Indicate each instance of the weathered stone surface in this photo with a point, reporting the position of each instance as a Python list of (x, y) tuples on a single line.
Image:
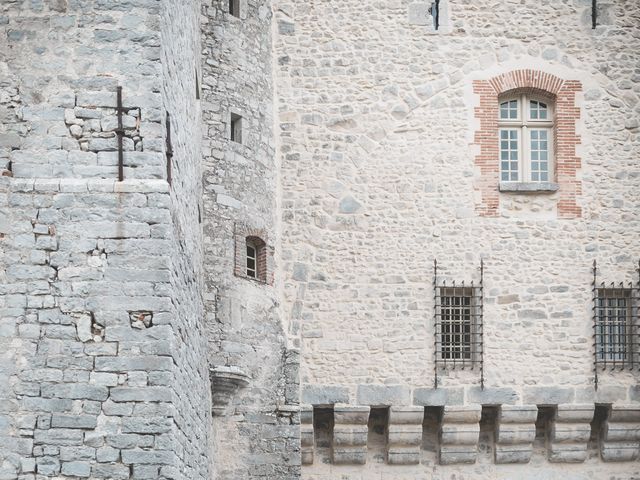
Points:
[(383, 395), (349, 446), (324, 395), (515, 433), (404, 436), (438, 396)]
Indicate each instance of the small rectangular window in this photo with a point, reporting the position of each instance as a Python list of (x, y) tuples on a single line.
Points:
[(234, 7), (614, 326), (457, 323), (236, 128)]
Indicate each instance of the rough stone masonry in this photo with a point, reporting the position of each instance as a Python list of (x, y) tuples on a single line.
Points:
[(350, 145)]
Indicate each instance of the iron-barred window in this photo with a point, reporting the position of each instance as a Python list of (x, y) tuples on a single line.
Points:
[(458, 324), (616, 324), (616, 321)]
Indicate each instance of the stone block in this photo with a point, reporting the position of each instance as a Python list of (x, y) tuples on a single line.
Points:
[(515, 433), (324, 395), (492, 396), (438, 397), (404, 435), (349, 446), (548, 395), (419, 13), (383, 395)]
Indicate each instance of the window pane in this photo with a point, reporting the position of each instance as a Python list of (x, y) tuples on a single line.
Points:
[(539, 169), (509, 151), (509, 110)]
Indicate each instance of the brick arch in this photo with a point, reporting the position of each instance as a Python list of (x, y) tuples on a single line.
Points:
[(567, 113), (526, 80)]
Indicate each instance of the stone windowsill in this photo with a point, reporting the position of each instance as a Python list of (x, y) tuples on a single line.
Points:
[(528, 187)]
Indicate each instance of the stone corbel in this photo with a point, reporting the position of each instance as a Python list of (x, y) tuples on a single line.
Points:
[(350, 430), (459, 434), (225, 382), (570, 432), (307, 440), (404, 435), (515, 433), (620, 435)]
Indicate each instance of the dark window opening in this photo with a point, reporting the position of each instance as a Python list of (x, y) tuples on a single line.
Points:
[(594, 13), (234, 7), (197, 86), (236, 128), (252, 261), (435, 13)]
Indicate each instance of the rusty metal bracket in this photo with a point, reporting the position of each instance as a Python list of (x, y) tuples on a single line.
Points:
[(169, 149)]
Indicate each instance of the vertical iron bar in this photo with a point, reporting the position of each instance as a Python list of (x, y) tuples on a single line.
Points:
[(437, 16), (594, 13), (169, 148), (120, 133), (435, 317), (595, 323), (481, 323)]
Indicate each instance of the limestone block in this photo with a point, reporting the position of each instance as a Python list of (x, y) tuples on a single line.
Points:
[(306, 434), (404, 435), (515, 432), (459, 434), (620, 436), (570, 432), (350, 431)]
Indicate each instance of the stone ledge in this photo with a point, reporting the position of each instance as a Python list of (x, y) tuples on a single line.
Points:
[(528, 187), (82, 185), (383, 395), (432, 397), (319, 395)]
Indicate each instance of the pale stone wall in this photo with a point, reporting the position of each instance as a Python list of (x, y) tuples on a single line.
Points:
[(376, 129)]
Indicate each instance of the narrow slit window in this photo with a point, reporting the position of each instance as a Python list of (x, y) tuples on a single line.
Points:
[(234, 8), (236, 128)]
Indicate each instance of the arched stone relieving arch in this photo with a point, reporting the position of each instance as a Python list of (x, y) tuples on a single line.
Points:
[(567, 163)]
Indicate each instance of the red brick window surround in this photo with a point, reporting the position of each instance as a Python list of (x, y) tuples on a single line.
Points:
[(566, 163), (253, 255)]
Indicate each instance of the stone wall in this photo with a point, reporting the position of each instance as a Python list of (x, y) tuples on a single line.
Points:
[(180, 35), (377, 138), (104, 368), (258, 436)]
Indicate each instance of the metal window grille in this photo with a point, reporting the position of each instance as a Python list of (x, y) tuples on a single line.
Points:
[(616, 324), (458, 310)]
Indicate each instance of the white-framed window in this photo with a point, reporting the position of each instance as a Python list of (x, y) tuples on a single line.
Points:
[(525, 139), (252, 259)]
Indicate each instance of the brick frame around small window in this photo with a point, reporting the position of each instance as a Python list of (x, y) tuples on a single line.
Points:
[(264, 252), (567, 162)]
